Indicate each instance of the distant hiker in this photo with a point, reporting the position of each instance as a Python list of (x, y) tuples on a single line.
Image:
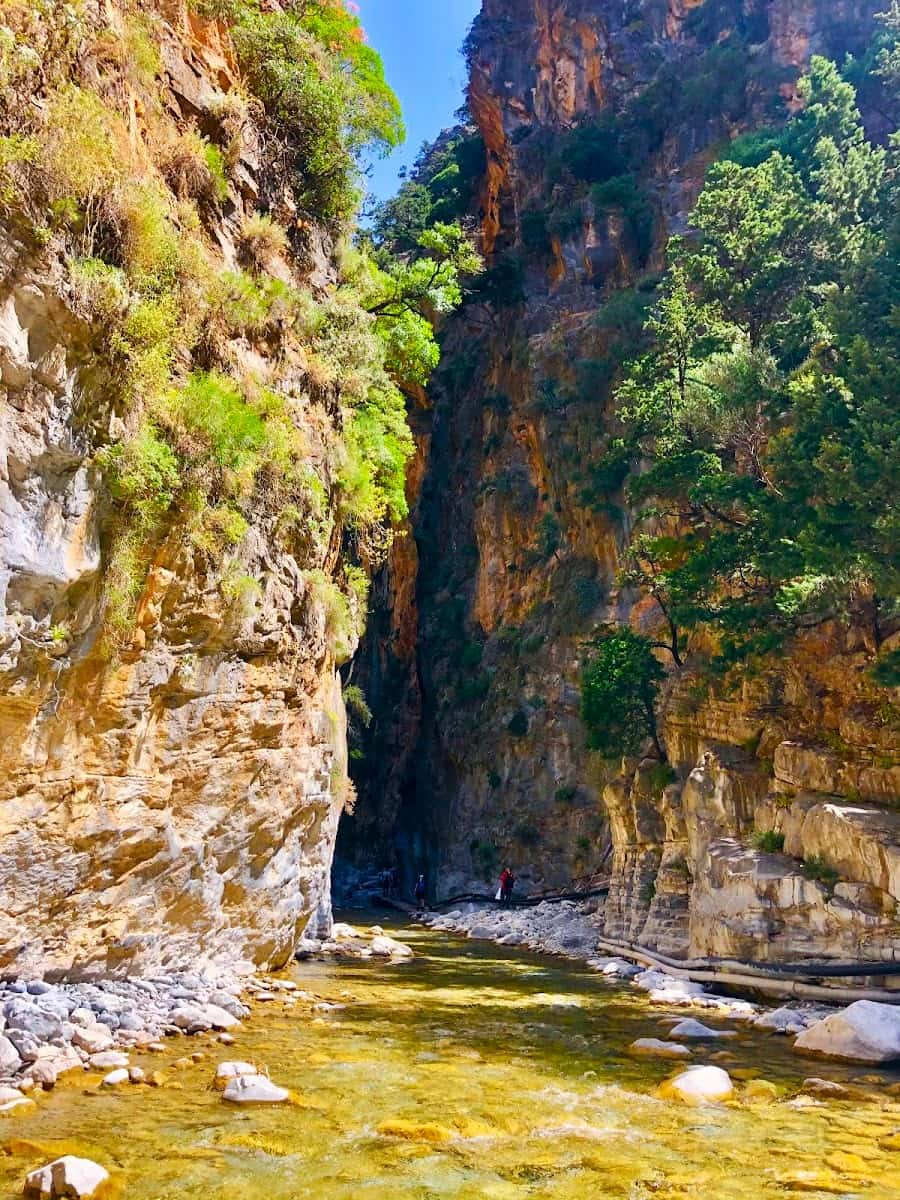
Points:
[(507, 883), (420, 893)]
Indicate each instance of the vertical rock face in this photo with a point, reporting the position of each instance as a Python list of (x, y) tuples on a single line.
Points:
[(519, 539), (174, 803)]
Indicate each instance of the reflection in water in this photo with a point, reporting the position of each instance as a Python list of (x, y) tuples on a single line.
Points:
[(471, 1072)]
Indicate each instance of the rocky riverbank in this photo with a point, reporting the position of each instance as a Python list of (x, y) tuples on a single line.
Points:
[(864, 1031), (49, 1029)]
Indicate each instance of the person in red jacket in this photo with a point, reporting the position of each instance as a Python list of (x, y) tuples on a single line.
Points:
[(507, 881)]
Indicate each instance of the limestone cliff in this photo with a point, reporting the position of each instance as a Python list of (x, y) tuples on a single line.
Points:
[(520, 537), (172, 747)]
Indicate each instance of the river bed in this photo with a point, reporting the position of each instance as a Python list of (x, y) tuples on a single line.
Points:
[(472, 1072)]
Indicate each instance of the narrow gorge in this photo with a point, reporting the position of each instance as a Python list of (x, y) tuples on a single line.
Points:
[(539, 518)]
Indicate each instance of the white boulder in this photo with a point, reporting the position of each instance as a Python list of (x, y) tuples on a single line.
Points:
[(192, 1018), (698, 1085), (226, 1071), (388, 947), (114, 1078), (108, 1059), (341, 932), (254, 1089), (93, 1038), (866, 1032), (220, 1018), (78, 1178)]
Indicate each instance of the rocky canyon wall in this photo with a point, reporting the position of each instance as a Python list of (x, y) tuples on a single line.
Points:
[(170, 791), (472, 667)]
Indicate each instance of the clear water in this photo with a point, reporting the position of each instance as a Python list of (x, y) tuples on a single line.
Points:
[(473, 1072)]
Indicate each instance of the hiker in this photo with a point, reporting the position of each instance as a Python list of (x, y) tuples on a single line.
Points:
[(507, 882), (420, 893)]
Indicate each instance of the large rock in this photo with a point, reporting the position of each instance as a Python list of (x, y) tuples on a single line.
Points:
[(226, 1071), (94, 1039), (34, 1020), (698, 1085), (192, 1018), (388, 947), (10, 1059), (219, 1018), (254, 1089), (69, 1177), (866, 1032)]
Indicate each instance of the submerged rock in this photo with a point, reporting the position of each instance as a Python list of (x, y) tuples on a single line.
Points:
[(71, 1177), (659, 1048), (691, 1030), (698, 1085), (866, 1032)]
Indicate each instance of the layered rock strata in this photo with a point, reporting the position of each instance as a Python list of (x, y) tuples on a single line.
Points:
[(174, 801)]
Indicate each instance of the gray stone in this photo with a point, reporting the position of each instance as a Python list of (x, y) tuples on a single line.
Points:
[(10, 1059)]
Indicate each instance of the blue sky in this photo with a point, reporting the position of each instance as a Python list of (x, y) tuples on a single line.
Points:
[(419, 41)]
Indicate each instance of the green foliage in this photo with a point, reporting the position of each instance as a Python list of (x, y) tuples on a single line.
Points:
[(142, 473), (886, 671), (619, 681), (527, 834), (566, 794), (819, 869), (757, 425), (625, 193), (591, 152), (440, 190), (485, 858), (658, 779), (324, 91), (357, 705), (517, 726), (767, 840)]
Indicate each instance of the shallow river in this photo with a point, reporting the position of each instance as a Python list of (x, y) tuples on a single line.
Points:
[(473, 1072)]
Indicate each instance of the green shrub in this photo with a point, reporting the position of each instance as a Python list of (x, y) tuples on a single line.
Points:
[(625, 192), (527, 835), (142, 473), (210, 408), (485, 858), (494, 780), (566, 794), (471, 656), (474, 688), (355, 700), (619, 681), (517, 726), (658, 779), (768, 840), (261, 240), (819, 869)]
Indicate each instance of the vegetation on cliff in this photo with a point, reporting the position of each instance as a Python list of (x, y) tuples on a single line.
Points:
[(231, 383), (759, 434)]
